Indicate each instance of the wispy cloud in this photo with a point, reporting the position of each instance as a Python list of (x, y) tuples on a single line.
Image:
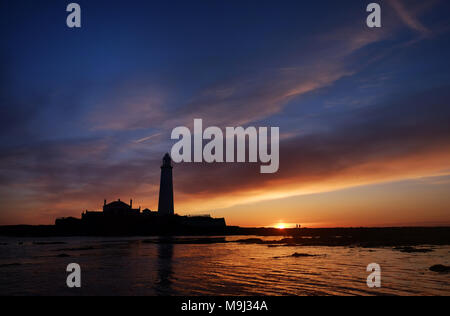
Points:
[(145, 139), (406, 138), (258, 95), (408, 17)]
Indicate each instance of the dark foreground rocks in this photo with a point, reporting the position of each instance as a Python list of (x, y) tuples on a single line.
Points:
[(413, 250), (440, 268), (403, 237)]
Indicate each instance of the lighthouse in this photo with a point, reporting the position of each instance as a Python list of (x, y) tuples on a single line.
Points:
[(165, 205)]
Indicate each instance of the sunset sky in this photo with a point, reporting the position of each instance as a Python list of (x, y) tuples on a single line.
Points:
[(86, 114)]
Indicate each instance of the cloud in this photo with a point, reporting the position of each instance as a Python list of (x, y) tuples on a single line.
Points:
[(403, 138), (130, 106), (246, 97), (62, 178), (261, 94), (408, 17), (330, 57), (252, 99), (406, 139), (146, 139)]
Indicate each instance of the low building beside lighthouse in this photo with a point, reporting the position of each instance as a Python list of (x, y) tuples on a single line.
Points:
[(120, 208), (113, 209)]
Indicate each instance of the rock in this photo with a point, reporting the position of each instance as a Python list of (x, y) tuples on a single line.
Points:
[(299, 255), (413, 250), (440, 268), (63, 255), (44, 243), (76, 249), (251, 241)]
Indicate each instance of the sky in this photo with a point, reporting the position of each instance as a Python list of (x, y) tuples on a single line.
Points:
[(86, 114)]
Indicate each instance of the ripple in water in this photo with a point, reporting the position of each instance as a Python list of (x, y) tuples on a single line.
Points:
[(133, 266)]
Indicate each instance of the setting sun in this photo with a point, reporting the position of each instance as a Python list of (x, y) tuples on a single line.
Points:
[(280, 226)]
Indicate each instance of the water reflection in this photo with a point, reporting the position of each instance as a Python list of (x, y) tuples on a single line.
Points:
[(163, 285), (161, 267)]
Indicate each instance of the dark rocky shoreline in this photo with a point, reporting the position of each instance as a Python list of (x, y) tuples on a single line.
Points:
[(404, 238)]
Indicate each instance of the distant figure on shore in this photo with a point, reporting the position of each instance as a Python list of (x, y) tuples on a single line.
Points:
[(165, 204)]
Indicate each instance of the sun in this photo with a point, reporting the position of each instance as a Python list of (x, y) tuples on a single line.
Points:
[(280, 226)]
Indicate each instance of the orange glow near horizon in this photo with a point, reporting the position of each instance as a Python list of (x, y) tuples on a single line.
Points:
[(290, 197), (413, 202)]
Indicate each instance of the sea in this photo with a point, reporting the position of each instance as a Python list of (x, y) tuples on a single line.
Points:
[(157, 266)]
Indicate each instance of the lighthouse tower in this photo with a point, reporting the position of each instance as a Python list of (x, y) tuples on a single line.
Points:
[(165, 205)]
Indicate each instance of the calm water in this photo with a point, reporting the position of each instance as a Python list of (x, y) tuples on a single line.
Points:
[(131, 266)]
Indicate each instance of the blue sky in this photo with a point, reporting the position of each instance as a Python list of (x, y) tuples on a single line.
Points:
[(87, 113)]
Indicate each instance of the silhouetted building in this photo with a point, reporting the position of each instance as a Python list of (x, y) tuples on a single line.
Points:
[(121, 218), (120, 208), (148, 212), (117, 209), (165, 205)]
